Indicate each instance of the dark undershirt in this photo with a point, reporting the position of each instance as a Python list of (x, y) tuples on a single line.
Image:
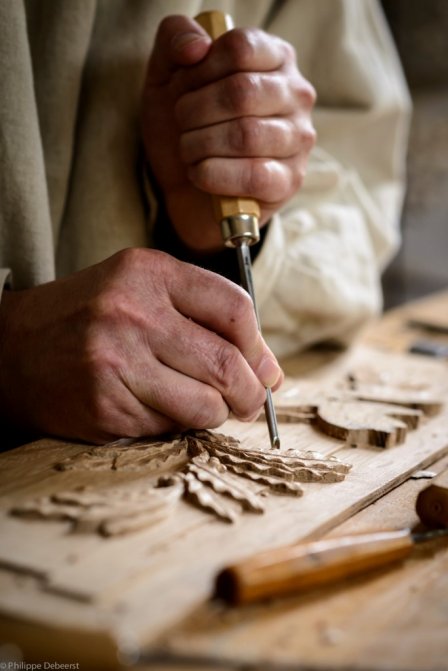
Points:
[(224, 262)]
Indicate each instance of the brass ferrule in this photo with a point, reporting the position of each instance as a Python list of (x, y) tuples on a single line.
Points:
[(238, 228)]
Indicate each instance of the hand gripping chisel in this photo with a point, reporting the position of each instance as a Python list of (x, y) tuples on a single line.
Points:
[(239, 221)]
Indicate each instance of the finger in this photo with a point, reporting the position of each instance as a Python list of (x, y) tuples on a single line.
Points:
[(221, 306), (245, 137), (267, 180), (239, 50), (184, 400), (279, 382), (203, 355), (142, 421), (179, 41), (239, 95), (117, 413), (149, 422)]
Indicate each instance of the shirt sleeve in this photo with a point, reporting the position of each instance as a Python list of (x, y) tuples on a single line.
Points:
[(318, 274)]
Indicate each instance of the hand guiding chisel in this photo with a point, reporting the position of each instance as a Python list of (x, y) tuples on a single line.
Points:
[(239, 222)]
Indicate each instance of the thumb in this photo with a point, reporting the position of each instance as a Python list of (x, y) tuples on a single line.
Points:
[(179, 41)]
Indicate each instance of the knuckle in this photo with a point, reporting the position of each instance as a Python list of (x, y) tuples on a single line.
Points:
[(209, 413), (308, 137), (258, 179), (127, 260), (132, 267), (302, 136), (252, 402), (240, 307), (112, 309), (304, 92), (158, 263), (241, 45), (225, 366), (245, 135), (101, 308), (289, 52), (239, 92), (308, 94), (165, 27)]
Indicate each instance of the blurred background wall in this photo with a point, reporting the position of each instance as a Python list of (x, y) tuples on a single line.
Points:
[(420, 29)]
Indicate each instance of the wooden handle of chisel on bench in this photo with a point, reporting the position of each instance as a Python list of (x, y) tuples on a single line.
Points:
[(432, 502), (296, 568), (239, 218)]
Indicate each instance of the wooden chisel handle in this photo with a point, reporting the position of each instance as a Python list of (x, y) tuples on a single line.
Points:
[(216, 24), (301, 567), (432, 502)]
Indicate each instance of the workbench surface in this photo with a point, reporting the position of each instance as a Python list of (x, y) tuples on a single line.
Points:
[(72, 597)]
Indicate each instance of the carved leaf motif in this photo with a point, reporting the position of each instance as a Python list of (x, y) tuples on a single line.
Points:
[(359, 412), (128, 456), (279, 485), (378, 424), (414, 399), (207, 468), (110, 512), (203, 496), (222, 485)]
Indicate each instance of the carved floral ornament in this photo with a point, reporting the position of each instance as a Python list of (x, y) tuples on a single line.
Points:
[(212, 471), (208, 469)]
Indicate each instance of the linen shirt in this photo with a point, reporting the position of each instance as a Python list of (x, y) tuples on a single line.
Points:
[(70, 189)]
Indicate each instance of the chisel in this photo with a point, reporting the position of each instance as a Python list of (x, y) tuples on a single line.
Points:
[(297, 568), (239, 221)]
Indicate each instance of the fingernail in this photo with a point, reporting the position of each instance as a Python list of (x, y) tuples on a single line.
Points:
[(268, 372), (279, 382), (182, 39)]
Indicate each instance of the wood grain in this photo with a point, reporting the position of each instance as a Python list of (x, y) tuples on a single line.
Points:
[(393, 619), (146, 582)]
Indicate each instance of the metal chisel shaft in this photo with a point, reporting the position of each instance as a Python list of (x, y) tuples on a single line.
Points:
[(245, 267)]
